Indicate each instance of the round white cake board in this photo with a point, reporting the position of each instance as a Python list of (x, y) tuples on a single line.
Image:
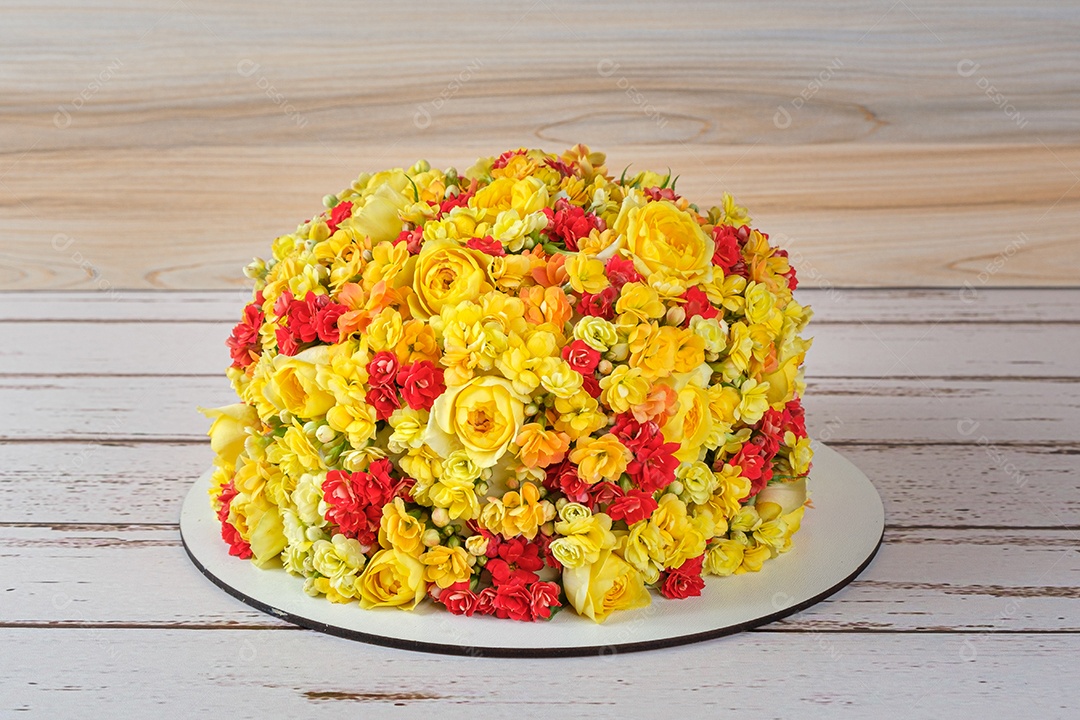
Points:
[(839, 536)]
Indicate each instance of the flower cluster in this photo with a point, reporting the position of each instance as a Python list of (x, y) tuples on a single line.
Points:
[(520, 388)]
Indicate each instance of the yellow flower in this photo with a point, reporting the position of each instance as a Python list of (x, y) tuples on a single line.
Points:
[(558, 378), (596, 332), (355, 418), (409, 427), (691, 424), (541, 447), (669, 242), (493, 198), (228, 431), (483, 417), (624, 388), (529, 195), (447, 273), (385, 331), (801, 453), (524, 512), (640, 302), (653, 349), (605, 586), (339, 559), (579, 415), (584, 535), (724, 559), (586, 274), (293, 385), (753, 559), (603, 458), (445, 566), (754, 401), (456, 495), (392, 578), (398, 529), (711, 332), (698, 481)]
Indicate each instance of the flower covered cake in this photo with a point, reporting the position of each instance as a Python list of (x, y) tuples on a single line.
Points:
[(523, 387)]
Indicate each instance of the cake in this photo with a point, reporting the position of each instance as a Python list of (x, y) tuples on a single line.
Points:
[(524, 387)]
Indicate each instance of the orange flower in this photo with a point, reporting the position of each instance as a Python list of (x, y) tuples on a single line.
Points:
[(658, 406), (540, 447), (363, 306), (602, 458), (551, 272), (418, 343), (546, 306)]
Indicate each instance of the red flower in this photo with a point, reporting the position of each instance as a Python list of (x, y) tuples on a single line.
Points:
[(654, 462), (339, 214), (655, 194), (382, 369), (697, 303), (237, 545), (504, 159), (513, 601), (602, 493), (356, 501), (754, 466), (458, 599), (384, 398), (601, 304), (634, 506), (487, 245), (543, 596), (413, 239), (564, 478), (285, 342), (591, 385), (581, 357), (726, 254), (326, 322), (620, 271), (421, 383), (244, 344), (684, 581), (568, 223), (485, 602), (516, 563)]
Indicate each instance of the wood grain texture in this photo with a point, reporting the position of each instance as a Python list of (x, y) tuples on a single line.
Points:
[(1014, 486), (904, 143), (89, 673)]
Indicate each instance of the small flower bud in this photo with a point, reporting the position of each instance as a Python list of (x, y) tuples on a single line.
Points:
[(676, 316), (431, 537), (531, 409), (605, 367), (325, 434), (440, 517), (618, 352), (329, 201)]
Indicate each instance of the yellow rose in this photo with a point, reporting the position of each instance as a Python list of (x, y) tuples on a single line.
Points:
[(529, 195), (379, 218), (228, 431), (392, 578), (398, 529), (447, 273), (293, 385), (667, 241), (445, 566), (603, 458), (493, 198), (483, 417), (607, 585)]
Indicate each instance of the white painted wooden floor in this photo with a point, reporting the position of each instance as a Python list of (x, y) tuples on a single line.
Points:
[(963, 408)]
